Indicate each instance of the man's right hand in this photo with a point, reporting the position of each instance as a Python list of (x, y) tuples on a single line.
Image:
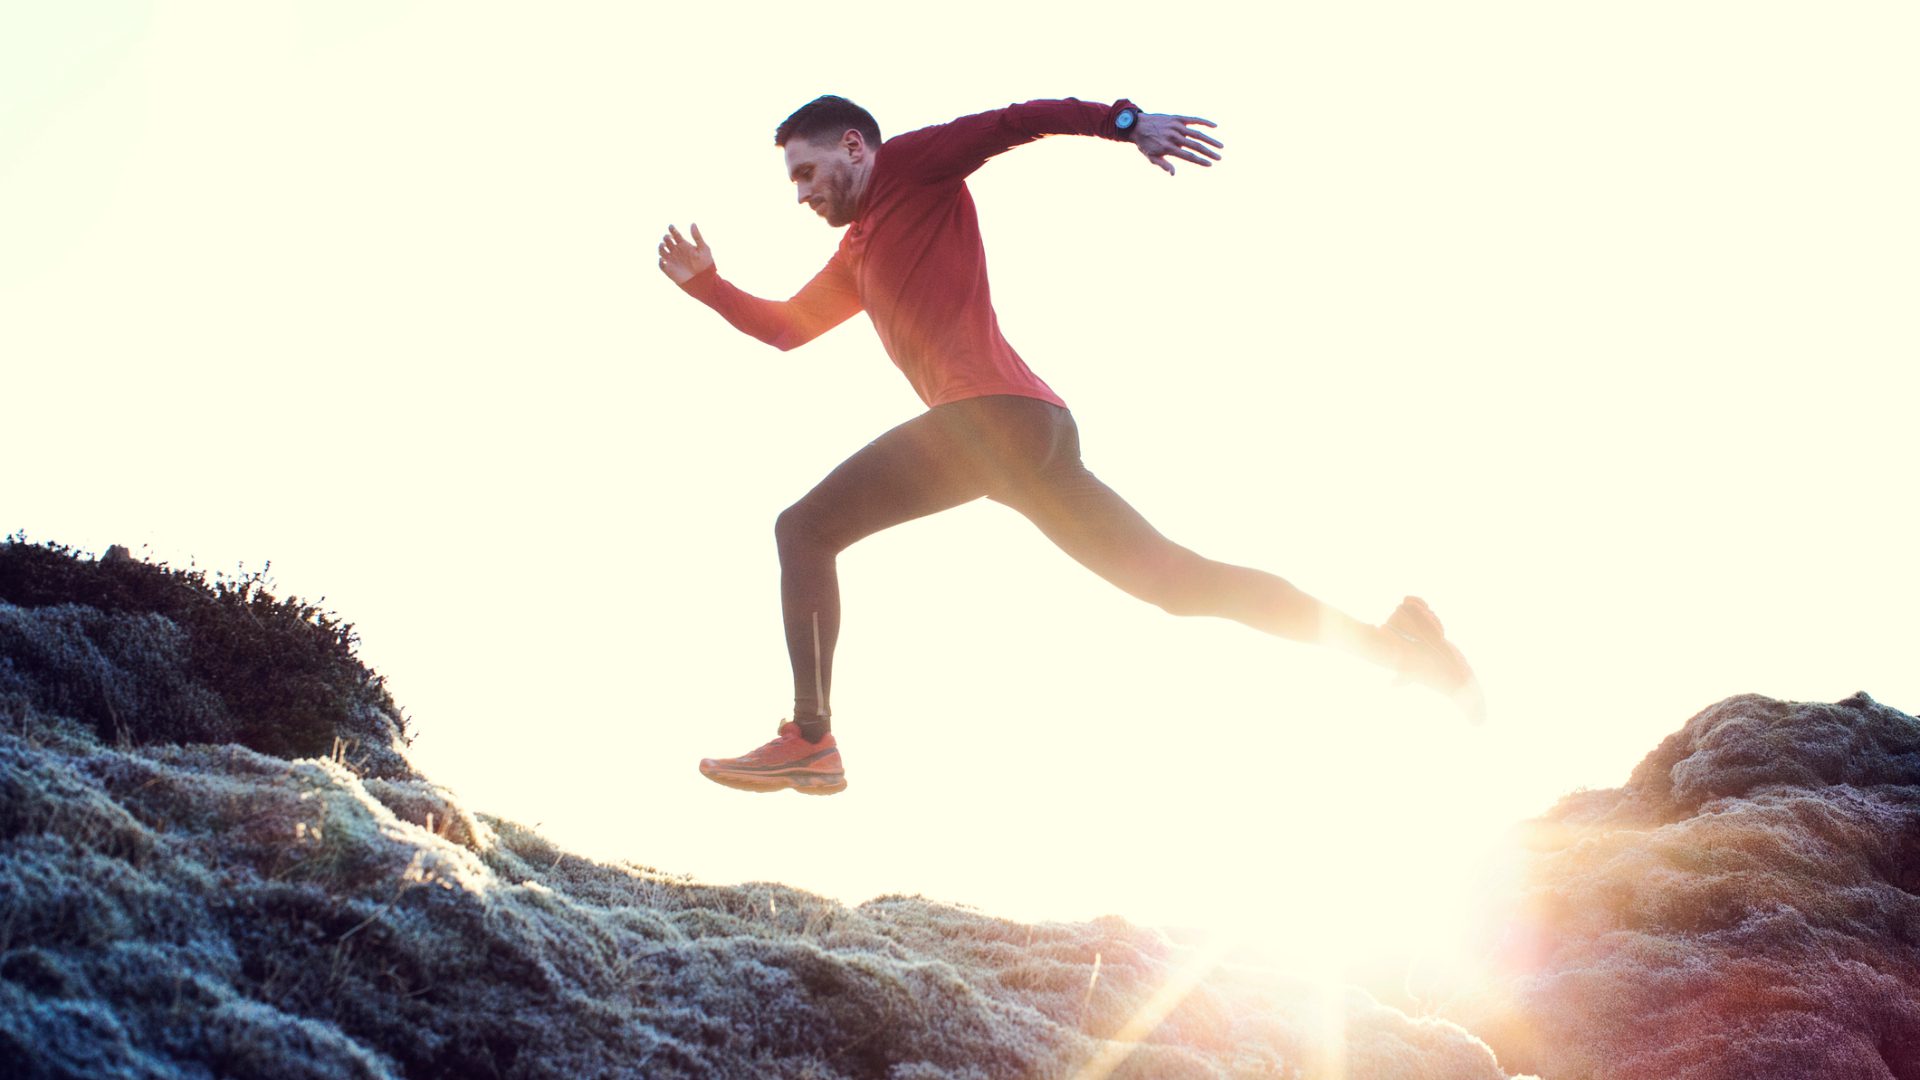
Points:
[(682, 260), (1161, 136)]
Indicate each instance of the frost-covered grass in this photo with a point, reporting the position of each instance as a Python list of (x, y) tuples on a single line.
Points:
[(215, 861), (209, 910), (1747, 907)]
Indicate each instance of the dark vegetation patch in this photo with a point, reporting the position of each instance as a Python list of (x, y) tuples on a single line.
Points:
[(148, 653)]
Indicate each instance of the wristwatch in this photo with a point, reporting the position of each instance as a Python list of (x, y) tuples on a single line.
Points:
[(1125, 120)]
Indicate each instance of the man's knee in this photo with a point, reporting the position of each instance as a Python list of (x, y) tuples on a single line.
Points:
[(789, 527), (799, 528)]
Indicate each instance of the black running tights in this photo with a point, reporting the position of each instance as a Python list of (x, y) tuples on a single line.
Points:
[(1024, 453)]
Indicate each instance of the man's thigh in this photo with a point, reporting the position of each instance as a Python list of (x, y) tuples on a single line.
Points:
[(1101, 531), (918, 468)]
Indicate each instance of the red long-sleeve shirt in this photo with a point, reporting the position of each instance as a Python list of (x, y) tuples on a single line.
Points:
[(914, 261)]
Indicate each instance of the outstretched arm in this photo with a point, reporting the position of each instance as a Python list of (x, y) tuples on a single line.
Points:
[(825, 302), (1161, 136), (954, 149)]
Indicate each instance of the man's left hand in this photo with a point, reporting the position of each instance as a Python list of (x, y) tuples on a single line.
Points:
[(1160, 136)]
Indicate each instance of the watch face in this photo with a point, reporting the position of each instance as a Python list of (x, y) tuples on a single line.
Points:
[(1125, 119)]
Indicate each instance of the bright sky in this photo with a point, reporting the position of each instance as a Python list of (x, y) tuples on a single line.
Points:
[(1594, 325)]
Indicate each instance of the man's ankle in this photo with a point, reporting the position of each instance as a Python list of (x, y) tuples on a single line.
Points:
[(814, 728)]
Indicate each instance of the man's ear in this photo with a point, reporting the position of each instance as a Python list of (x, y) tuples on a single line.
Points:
[(854, 143)]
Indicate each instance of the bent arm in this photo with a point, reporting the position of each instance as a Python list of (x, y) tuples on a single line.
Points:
[(822, 304), (828, 300)]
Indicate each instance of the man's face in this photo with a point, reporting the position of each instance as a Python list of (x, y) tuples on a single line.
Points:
[(823, 173)]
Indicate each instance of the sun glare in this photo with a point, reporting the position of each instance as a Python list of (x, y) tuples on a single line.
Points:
[(1200, 962), (1374, 864)]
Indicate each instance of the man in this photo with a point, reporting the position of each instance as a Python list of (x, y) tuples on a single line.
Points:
[(912, 258)]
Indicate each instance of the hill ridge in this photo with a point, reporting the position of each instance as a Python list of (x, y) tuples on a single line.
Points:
[(183, 907), (216, 860)]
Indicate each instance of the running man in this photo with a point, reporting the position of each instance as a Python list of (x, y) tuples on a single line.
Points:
[(913, 260)]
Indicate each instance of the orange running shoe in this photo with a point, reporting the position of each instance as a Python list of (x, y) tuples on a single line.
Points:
[(1431, 660), (789, 761)]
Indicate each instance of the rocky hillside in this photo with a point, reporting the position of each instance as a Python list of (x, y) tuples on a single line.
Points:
[(1748, 905), (216, 860)]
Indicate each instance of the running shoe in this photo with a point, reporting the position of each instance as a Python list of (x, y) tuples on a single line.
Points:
[(789, 761), (1431, 660)]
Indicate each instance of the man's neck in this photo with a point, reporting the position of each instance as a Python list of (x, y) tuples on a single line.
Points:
[(861, 176)]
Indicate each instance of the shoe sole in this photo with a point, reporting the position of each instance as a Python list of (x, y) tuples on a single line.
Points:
[(805, 783)]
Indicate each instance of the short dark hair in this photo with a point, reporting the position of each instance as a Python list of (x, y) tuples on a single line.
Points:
[(830, 116)]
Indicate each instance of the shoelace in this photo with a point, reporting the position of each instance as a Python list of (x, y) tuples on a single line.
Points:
[(763, 751)]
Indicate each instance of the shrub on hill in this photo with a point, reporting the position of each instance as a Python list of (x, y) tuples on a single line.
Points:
[(146, 653)]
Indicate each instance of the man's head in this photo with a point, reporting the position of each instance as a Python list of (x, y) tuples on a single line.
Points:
[(830, 144)]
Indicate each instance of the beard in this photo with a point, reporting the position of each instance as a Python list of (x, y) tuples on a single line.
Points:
[(837, 206)]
